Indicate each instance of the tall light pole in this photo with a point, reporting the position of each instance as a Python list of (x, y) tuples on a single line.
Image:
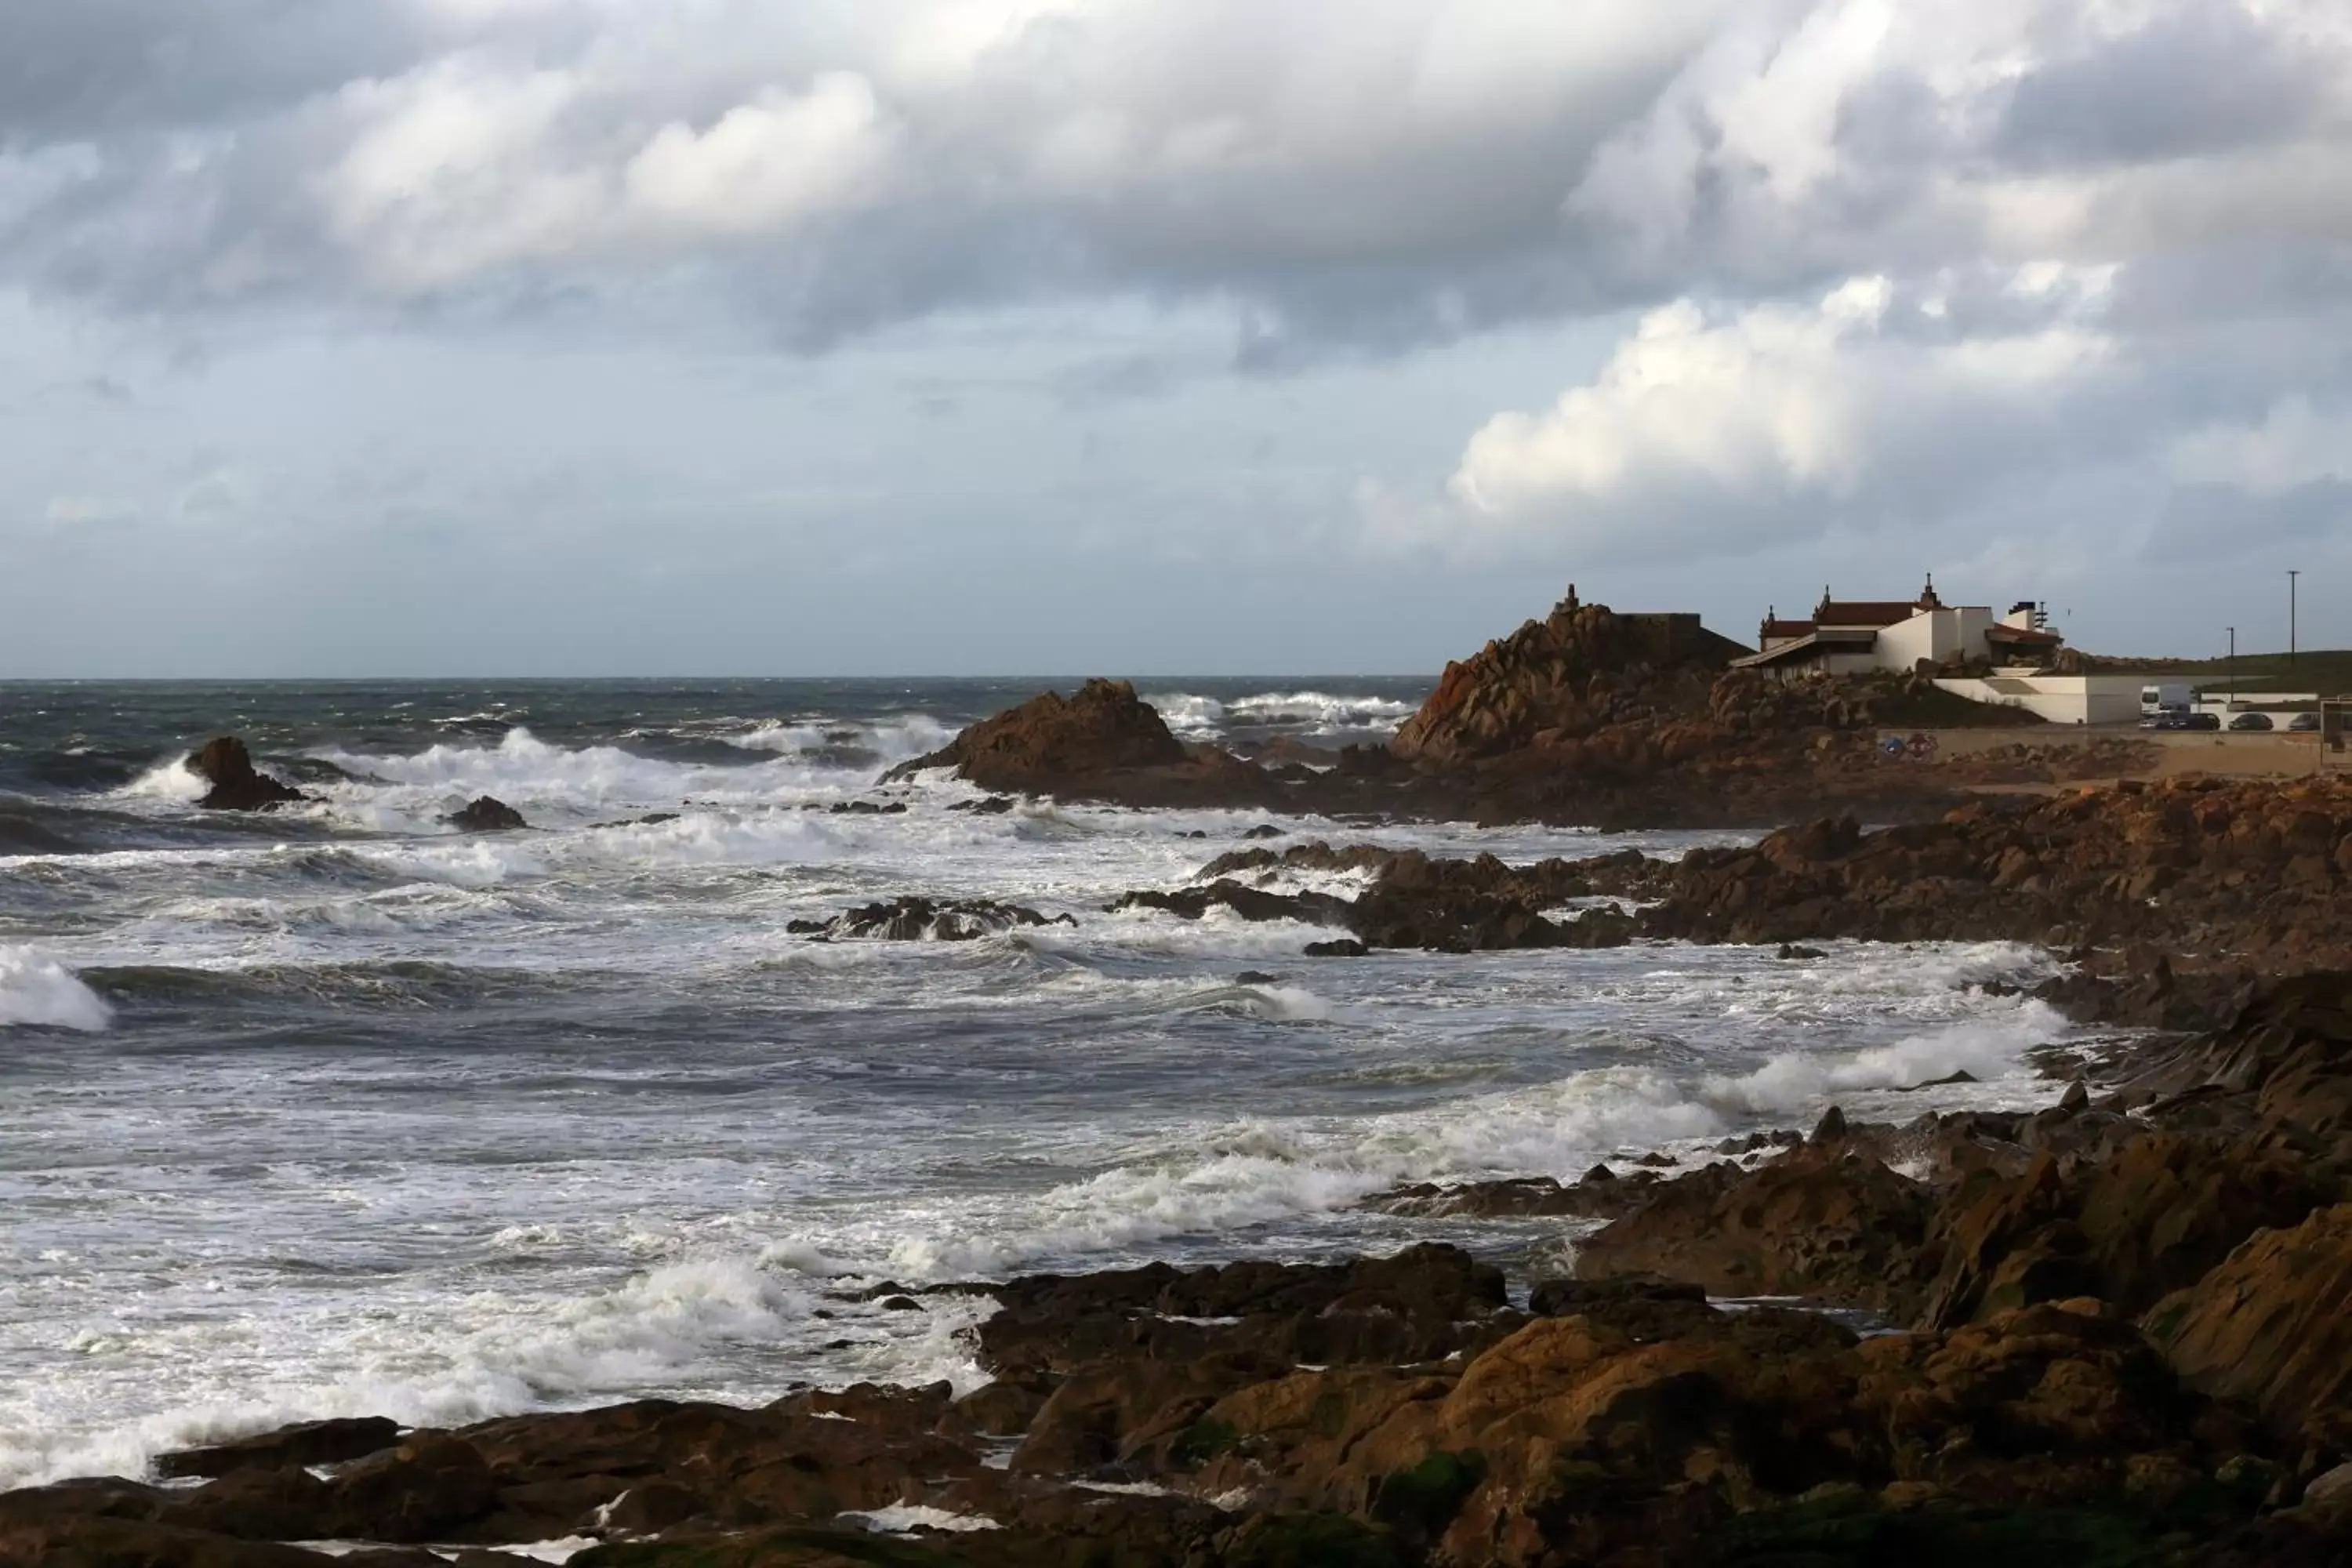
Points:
[(2232, 703), (2291, 576)]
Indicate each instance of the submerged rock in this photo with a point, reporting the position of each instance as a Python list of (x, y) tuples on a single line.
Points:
[(237, 784), (919, 920), (487, 813)]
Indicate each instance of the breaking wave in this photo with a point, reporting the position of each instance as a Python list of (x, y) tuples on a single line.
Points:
[(38, 990)]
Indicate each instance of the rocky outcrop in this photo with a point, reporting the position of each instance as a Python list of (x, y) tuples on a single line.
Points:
[(915, 919), (308, 1443), (1396, 1411), (1101, 742), (486, 813), (1564, 678), (1818, 1224), (237, 784), (2272, 1326), (2199, 868)]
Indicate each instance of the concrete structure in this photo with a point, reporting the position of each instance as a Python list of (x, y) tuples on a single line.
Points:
[(2060, 699), (1856, 636)]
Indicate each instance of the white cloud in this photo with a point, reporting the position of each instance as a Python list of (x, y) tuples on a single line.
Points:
[(1771, 419), (765, 166)]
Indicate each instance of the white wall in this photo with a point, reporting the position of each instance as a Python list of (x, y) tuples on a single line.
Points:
[(1941, 637), (2060, 699)]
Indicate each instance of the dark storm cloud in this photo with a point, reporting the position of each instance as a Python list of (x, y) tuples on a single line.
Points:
[(94, 69), (1870, 270), (2196, 80)]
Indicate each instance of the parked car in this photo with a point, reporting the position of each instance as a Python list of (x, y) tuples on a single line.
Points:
[(2305, 721), (2252, 721), (2201, 721), (2167, 719)]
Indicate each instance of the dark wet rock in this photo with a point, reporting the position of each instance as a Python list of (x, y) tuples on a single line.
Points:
[(1250, 903), (867, 808), (1346, 947), (1266, 830), (1791, 950), (1256, 977), (994, 805), (923, 920), (308, 1443), (487, 813), (237, 784), (126, 1543), (1815, 1223), (1601, 1195), (427, 1488)]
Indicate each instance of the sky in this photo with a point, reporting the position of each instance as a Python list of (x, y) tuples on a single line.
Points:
[(889, 337)]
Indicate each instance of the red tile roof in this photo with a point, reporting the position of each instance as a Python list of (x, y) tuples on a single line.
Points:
[(2000, 633), (1863, 613), (1788, 629)]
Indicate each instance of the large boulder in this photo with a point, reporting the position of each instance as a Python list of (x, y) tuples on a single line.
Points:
[(1050, 740), (237, 784), (2273, 1326), (1816, 1222), (2152, 1218)]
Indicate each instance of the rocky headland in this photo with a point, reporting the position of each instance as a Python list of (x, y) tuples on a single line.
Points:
[(1585, 717)]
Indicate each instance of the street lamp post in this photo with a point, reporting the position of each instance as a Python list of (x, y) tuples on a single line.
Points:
[(2291, 576), (2232, 703)]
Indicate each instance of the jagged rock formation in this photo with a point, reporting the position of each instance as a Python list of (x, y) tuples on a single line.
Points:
[(237, 784), (1565, 678)]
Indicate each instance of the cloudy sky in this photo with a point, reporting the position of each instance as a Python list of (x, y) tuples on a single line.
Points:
[(1013, 336)]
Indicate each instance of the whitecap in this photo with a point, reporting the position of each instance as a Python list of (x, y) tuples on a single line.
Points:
[(35, 989)]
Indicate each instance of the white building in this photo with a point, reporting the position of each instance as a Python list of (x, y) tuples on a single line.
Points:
[(1855, 636), (2060, 699)]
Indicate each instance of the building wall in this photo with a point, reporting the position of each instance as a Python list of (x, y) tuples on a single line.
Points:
[(1940, 637), (1903, 644), (2060, 699)]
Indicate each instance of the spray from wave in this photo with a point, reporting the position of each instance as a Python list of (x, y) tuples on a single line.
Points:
[(38, 990)]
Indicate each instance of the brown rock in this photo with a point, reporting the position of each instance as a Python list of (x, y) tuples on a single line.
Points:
[(2273, 1326), (1812, 1223), (237, 785)]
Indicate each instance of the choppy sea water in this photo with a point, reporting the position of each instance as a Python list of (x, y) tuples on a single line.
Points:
[(338, 1111)]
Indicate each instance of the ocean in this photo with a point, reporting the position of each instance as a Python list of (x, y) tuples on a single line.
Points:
[(336, 1110)]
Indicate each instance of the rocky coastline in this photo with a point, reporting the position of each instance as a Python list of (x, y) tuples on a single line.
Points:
[(2113, 1330)]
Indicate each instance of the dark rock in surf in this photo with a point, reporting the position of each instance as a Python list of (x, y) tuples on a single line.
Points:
[(1250, 903), (237, 784), (487, 813), (1102, 742), (310, 1443), (923, 920), (1346, 947)]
